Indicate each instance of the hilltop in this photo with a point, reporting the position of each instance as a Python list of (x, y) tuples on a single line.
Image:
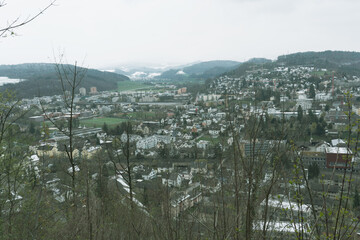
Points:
[(325, 59), (342, 62), (202, 70), (42, 79)]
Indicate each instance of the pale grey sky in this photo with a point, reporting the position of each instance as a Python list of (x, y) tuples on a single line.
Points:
[(114, 32)]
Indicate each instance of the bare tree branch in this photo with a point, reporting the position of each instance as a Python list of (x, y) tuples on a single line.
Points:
[(16, 24)]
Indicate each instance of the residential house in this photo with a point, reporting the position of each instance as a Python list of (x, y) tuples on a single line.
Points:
[(214, 133), (198, 167), (174, 180), (203, 144), (150, 175), (185, 200)]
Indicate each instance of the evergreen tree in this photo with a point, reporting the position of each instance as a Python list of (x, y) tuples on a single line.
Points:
[(312, 91), (32, 128), (327, 107), (356, 202), (163, 151), (319, 130), (105, 128), (314, 170), (300, 113)]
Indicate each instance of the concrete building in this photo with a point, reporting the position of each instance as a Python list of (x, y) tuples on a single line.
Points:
[(338, 157), (93, 90), (305, 104), (314, 157), (82, 91), (182, 90)]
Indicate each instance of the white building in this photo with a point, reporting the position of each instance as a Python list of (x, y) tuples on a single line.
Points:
[(152, 141), (305, 104), (151, 175), (174, 180), (323, 97), (82, 91), (202, 144)]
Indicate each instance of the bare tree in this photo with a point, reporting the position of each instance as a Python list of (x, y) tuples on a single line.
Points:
[(123, 167), (16, 23), (70, 77), (120, 156)]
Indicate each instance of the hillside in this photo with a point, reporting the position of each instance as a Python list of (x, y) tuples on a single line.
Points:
[(346, 63), (321, 59), (201, 70), (42, 79), (259, 60)]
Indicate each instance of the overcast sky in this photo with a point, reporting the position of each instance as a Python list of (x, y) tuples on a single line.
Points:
[(110, 33)]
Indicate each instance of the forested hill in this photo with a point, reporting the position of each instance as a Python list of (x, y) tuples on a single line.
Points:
[(42, 79), (201, 70), (202, 67), (326, 59), (339, 61)]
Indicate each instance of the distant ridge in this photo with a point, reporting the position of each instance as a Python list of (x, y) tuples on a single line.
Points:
[(329, 58), (41, 79), (202, 70), (259, 60), (340, 61)]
